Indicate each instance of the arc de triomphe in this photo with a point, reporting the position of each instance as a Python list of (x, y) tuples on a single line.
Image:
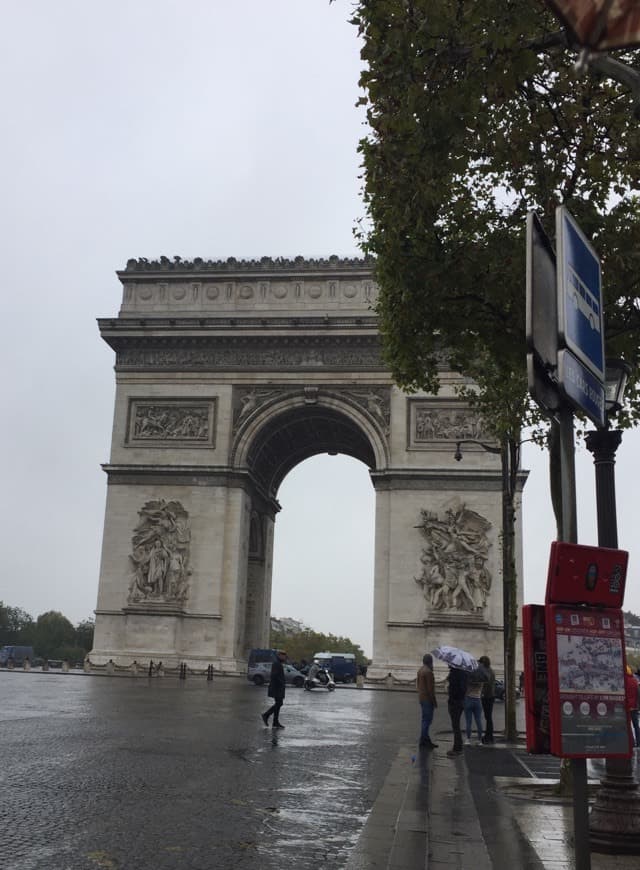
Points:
[(230, 373)]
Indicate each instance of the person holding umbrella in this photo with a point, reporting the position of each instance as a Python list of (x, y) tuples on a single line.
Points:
[(460, 663), (457, 693)]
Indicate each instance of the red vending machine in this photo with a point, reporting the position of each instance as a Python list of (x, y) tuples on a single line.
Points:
[(574, 656)]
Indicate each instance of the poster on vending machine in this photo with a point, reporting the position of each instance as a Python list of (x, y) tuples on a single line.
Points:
[(586, 683)]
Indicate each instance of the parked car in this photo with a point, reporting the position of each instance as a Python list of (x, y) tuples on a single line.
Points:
[(260, 673)]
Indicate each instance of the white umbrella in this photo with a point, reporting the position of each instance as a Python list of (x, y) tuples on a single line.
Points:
[(456, 657)]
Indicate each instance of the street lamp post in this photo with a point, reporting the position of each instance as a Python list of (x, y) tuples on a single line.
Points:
[(615, 818), (508, 452)]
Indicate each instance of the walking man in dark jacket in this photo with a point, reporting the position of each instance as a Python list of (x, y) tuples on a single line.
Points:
[(276, 690), (457, 692)]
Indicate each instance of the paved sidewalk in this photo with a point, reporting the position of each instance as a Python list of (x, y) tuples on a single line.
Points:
[(432, 813)]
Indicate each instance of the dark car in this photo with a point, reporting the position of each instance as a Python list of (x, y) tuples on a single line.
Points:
[(500, 690)]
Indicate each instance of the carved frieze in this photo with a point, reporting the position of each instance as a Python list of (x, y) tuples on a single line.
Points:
[(355, 356), (455, 577), (296, 293), (160, 554), (431, 422), (174, 422)]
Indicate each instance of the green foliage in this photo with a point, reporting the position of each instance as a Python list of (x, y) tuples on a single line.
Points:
[(53, 632), (630, 618), (84, 635), (477, 116), (303, 645), (51, 636), (16, 626)]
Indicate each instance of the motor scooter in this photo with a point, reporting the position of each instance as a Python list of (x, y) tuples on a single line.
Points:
[(322, 679)]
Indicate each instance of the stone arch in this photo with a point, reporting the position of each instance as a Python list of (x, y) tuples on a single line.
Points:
[(282, 433)]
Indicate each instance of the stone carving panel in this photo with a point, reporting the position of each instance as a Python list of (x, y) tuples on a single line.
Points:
[(356, 357), (174, 422), (432, 422), (455, 577), (375, 400), (246, 400), (160, 554)]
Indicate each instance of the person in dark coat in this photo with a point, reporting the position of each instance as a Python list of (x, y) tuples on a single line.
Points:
[(457, 692), (276, 690), (488, 698)]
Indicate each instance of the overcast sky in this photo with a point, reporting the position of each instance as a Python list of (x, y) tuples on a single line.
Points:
[(201, 128)]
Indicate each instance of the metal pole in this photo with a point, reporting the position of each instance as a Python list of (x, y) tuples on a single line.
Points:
[(615, 817), (506, 598), (569, 531)]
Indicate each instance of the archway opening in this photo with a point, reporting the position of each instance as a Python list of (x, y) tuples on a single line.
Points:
[(324, 548)]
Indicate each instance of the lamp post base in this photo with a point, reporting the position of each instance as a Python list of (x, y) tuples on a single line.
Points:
[(614, 823)]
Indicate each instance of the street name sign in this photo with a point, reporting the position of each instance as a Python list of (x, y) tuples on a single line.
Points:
[(581, 360), (581, 387), (580, 322)]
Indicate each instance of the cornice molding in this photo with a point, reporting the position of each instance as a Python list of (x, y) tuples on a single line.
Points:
[(443, 479), (191, 475), (164, 265), (143, 322)]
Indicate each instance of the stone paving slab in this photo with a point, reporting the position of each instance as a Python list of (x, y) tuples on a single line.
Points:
[(454, 838)]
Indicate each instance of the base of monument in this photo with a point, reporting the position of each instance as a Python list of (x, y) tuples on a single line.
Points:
[(156, 608), (456, 620)]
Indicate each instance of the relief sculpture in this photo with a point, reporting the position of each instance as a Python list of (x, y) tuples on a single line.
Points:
[(377, 403), (247, 400), (160, 554), (171, 422), (454, 561), (447, 424)]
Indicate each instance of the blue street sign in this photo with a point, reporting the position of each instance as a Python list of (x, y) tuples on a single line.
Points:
[(580, 321), (581, 387)]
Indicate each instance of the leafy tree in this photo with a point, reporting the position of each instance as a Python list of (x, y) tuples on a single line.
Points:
[(53, 632), (476, 116), (84, 635), (303, 645), (16, 626)]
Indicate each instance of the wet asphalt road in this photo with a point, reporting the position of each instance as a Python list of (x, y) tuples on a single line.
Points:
[(103, 773)]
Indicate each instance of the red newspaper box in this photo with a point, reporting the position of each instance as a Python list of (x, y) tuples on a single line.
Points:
[(536, 682), (586, 575), (586, 665)]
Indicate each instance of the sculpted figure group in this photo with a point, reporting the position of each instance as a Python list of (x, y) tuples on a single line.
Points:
[(160, 556), (454, 573)]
